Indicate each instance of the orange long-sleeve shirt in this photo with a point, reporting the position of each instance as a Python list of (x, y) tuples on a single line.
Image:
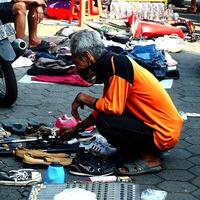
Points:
[(132, 87)]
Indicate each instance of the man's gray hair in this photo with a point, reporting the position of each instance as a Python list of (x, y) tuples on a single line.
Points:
[(86, 40)]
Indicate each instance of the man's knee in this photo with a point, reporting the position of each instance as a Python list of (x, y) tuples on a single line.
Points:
[(19, 8), (103, 121), (100, 119)]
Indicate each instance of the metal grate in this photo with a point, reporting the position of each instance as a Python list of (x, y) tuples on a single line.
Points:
[(103, 191)]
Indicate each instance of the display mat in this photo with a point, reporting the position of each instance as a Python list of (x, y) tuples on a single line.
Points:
[(103, 191)]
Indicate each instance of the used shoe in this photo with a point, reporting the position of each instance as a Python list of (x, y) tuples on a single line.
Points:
[(41, 131), (90, 165), (17, 129), (20, 151), (45, 160), (98, 146), (21, 177)]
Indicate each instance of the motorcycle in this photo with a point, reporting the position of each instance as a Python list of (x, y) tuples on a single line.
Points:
[(8, 83)]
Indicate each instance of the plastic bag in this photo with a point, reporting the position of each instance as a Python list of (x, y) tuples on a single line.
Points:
[(75, 194), (150, 194)]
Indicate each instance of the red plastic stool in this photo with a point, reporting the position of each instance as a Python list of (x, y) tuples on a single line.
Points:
[(85, 11)]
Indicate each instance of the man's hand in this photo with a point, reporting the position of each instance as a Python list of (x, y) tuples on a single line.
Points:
[(75, 105), (81, 100), (69, 132), (66, 132)]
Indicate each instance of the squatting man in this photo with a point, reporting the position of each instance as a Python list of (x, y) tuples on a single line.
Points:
[(135, 113)]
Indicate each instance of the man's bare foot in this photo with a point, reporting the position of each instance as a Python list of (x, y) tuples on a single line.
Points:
[(35, 43), (192, 10), (150, 159)]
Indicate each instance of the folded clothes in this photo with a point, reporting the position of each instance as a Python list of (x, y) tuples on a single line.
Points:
[(35, 71), (50, 63), (151, 59)]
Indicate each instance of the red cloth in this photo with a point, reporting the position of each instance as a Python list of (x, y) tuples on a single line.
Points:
[(73, 79)]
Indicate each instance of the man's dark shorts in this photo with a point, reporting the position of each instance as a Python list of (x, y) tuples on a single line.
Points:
[(6, 12)]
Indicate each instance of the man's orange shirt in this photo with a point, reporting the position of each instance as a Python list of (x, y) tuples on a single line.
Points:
[(146, 99)]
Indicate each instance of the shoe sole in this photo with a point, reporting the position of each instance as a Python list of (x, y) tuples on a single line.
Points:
[(38, 161), (20, 183), (38, 179), (84, 174)]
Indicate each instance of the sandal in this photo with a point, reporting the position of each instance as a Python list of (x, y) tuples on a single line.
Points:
[(137, 167), (17, 129), (45, 159), (35, 124)]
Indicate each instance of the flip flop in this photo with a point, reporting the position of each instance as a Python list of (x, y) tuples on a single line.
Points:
[(35, 124), (137, 167), (44, 45)]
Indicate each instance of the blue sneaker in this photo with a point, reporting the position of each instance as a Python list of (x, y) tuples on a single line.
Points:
[(88, 164)]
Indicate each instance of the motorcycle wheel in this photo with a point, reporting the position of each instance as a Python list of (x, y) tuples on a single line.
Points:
[(8, 84)]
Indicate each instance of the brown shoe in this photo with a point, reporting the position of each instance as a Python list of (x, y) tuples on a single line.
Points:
[(47, 160), (41, 131), (20, 151)]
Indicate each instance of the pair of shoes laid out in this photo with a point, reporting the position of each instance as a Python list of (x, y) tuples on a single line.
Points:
[(21, 177), (88, 164), (38, 157), (99, 145), (66, 121)]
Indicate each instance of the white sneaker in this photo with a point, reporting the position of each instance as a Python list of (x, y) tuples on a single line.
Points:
[(21, 177)]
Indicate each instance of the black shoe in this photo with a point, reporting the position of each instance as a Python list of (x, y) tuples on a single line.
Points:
[(91, 165), (17, 129)]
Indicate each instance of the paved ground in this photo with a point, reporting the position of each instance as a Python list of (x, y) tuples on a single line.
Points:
[(181, 174)]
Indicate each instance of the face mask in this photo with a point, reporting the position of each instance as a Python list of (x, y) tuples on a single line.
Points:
[(88, 74)]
